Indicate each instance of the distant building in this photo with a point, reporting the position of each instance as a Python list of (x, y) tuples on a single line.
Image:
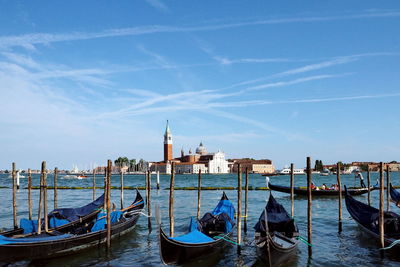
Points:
[(253, 166), (190, 163)]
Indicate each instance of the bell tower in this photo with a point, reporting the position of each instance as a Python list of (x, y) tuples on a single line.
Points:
[(167, 144)]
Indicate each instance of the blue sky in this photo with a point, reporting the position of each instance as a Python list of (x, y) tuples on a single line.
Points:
[(84, 81)]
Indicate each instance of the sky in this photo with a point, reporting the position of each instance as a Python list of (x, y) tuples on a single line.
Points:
[(86, 81)]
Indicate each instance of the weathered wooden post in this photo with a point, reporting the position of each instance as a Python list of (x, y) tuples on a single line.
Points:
[(171, 201), (94, 183), (340, 196), (246, 200), (199, 195), (122, 188), (149, 200), (158, 180), (292, 187), (30, 193), (45, 210), (39, 227), (108, 198), (105, 187), (14, 178), (381, 209), (369, 185), (309, 206), (239, 212), (55, 188), (387, 187)]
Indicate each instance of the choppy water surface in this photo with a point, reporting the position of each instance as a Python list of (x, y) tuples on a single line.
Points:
[(140, 248)]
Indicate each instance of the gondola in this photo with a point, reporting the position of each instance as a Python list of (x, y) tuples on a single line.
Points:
[(68, 241), (280, 237), (205, 237), (60, 219), (394, 195), (367, 218), (327, 192)]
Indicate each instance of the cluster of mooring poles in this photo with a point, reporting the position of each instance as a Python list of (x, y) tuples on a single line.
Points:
[(42, 206), (43, 199)]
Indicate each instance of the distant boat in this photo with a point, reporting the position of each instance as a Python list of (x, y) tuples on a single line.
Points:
[(81, 176), (325, 172), (20, 176), (69, 176), (287, 171), (320, 192)]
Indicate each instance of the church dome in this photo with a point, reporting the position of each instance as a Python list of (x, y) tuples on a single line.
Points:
[(201, 149)]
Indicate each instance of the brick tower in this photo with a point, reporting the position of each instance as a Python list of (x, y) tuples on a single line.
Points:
[(167, 144)]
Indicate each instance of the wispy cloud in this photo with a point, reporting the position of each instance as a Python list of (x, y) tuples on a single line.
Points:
[(303, 69), (227, 61), (158, 4), (29, 40), (293, 82)]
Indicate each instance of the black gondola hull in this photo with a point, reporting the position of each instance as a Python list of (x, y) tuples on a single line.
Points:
[(175, 252), (278, 253), (303, 191), (355, 207), (69, 245), (43, 250), (66, 227)]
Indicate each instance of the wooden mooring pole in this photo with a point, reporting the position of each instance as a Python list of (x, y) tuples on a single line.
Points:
[(158, 180), (246, 198), (108, 202), (171, 201), (199, 195), (14, 179), (45, 209), (105, 188), (340, 196), (309, 206), (94, 183), (381, 208), (369, 185), (30, 193), (387, 187), (239, 211), (122, 188), (39, 227), (149, 200), (292, 188), (55, 188)]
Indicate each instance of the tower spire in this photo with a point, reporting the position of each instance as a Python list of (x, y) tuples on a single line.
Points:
[(167, 144)]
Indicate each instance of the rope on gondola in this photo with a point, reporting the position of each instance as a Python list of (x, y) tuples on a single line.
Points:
[(227, 240), (302, 239), (391, 245)]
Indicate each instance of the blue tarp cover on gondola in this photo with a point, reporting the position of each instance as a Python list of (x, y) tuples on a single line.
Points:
[(30, 226), (59, 217), (221, 218), (101, 221), (73, 214), (193, 237), (224, 206), (278, 218), (394, 195), (9, 240)]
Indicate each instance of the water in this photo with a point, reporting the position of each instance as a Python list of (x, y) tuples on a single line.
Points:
[(140, 248)]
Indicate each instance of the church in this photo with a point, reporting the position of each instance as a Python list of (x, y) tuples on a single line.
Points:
[(201, 160)]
